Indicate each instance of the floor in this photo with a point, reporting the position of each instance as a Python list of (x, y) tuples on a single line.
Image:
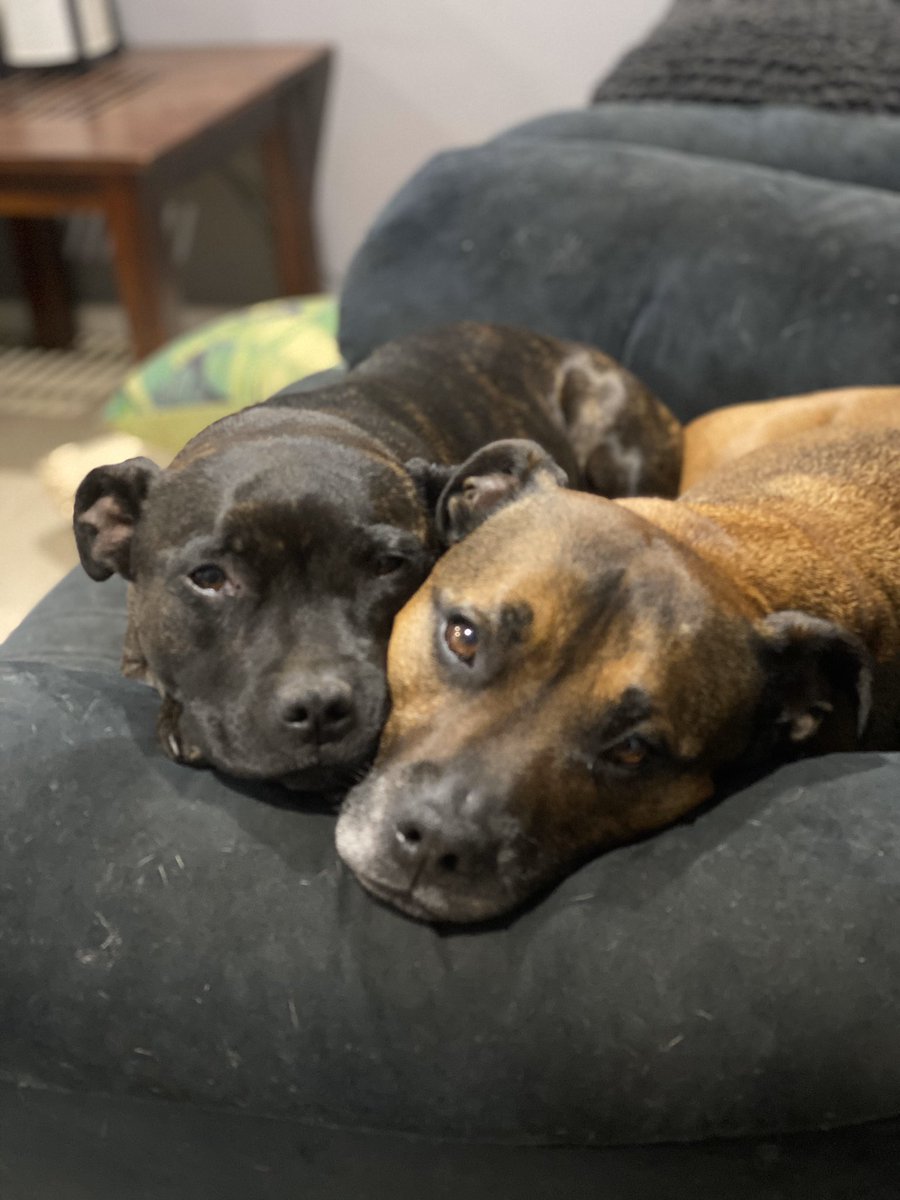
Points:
[(48, 398)]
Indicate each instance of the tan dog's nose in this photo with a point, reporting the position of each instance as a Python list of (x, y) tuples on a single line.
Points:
[(436, 839)]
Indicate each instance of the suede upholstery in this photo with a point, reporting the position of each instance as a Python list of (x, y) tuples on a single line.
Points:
[(714, 280), (170, 933), (195, 999)]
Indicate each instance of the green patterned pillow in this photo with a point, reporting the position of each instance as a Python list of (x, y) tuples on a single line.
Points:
[(223, 366)]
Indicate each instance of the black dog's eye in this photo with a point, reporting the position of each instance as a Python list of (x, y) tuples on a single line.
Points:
[(461, 638), (208, 578), (389, 564), (630, 753)]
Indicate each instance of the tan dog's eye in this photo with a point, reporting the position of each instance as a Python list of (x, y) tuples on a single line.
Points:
[(630, 752), (208, 578), (461, 638)]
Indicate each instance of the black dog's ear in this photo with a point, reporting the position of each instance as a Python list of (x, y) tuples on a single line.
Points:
[(429, 479), (821, 680), (108, 504), (491, 478)]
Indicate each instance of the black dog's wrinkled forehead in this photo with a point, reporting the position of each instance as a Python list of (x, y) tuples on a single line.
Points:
[(272, 493), (370, 486), (270, 533)]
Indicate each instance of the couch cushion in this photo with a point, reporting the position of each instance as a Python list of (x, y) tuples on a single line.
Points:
[(72, 1146), (77, 624), (824, 145), (166, 931), (714, 281), (227, 364)]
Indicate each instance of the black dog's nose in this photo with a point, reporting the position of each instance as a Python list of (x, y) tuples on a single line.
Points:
[(318, 709)]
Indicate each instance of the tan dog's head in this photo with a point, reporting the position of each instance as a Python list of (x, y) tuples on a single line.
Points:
[(570, 678)]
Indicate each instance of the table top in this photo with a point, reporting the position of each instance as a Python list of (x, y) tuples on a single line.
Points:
[(134, 108)]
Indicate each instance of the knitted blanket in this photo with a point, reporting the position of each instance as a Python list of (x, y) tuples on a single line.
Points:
[(833, 54)]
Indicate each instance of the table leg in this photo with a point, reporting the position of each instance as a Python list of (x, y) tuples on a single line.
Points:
[(37, 246), (146, 286), (289, 157)]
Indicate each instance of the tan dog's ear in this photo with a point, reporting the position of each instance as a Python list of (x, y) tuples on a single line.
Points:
[(491, 478), (108, 505), (821, 676)]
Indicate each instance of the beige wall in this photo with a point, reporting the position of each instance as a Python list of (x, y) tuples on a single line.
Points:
[(413, 77)]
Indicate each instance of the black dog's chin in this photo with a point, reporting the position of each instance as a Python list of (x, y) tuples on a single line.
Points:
[(328, 769), (322, 778), (337, 779)]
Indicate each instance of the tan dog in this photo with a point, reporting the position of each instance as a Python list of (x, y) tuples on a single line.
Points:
[(579, 672), (726, 433)]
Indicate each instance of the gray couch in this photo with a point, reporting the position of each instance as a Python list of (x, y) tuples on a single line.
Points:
[(195, 1000)]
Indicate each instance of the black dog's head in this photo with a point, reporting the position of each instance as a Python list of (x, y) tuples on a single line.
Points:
[(267, 564)]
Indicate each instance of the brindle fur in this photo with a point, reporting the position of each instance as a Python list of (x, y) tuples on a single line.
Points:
[(305, 501)]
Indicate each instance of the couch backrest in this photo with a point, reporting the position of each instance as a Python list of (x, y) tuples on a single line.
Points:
[(716, 280)]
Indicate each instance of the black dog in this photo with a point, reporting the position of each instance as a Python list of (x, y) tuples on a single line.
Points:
[(268, 561)]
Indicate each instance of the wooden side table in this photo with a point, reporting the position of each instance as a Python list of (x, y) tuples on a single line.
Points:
[(117, 136)]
